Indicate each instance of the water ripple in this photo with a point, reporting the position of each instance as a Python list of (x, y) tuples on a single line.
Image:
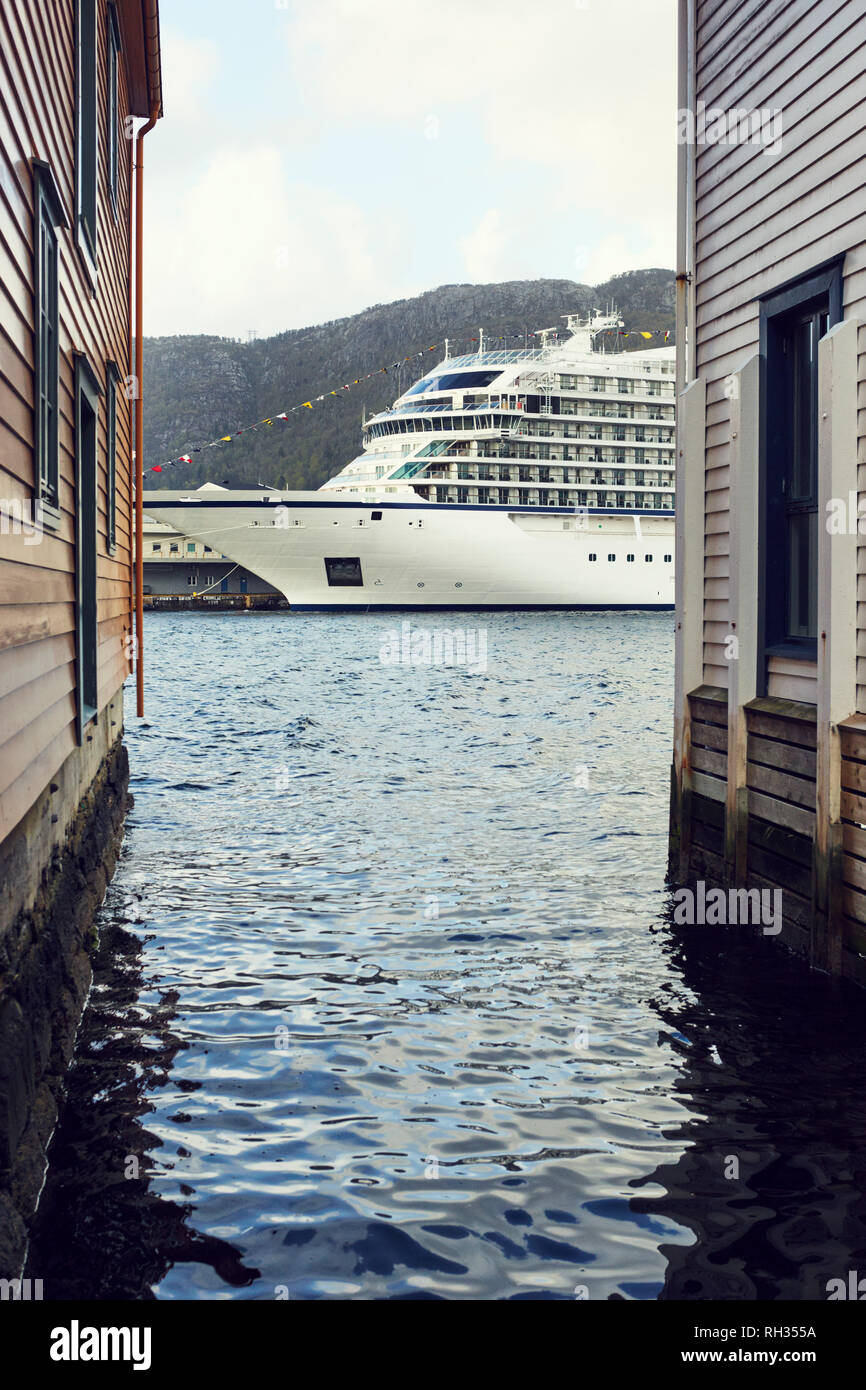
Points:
[(401, 1007)]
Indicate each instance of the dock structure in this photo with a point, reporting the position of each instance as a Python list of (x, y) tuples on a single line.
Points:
[(182, 573), (769, 768), (82, 86)]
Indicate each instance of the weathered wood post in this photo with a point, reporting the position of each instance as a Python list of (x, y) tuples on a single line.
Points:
[(837, 625), (689, 661), (744, 387)]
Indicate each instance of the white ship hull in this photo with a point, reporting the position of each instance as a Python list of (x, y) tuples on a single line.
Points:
[(327, 553)]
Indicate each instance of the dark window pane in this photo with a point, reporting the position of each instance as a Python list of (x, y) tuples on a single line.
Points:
[(791, 549), (802, 569), (802, 345), (453, 381), (111, 441), (87, 123), (47, 365), (113, 51)]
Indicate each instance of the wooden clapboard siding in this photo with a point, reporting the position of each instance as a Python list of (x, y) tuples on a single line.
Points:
[(37, 581), (764, 218), (790, 679), (19, 666), (780, 769), (709, 742), (853, 740)]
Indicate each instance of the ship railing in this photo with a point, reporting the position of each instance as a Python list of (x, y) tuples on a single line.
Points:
[(499, 358)]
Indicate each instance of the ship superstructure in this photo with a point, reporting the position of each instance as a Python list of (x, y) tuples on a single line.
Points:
[(559, 425)]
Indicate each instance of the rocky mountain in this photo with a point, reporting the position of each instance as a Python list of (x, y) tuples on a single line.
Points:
[(198, 388)]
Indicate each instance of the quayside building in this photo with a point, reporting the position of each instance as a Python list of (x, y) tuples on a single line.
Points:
[(76, 76), (769, 768)]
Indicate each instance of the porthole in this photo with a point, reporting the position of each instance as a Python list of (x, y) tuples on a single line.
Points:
[(458, 584), (420, 584)]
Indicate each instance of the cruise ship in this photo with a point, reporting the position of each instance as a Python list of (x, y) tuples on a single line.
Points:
[(540, 477)]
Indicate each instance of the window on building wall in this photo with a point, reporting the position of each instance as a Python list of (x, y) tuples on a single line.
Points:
[(113, 106), (793, 320), (48, 216), (111, 457), (87, 394), (86, 125)]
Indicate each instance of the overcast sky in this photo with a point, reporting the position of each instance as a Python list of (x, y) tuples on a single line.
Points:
[(320, 156)]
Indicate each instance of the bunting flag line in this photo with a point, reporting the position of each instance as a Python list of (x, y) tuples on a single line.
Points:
[(663, 333), (283, 415)]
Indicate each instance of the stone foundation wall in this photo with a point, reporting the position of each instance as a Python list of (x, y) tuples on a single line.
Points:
[(54, 869)]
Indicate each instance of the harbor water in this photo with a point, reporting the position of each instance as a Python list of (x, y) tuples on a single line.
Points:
[(389, 1002)]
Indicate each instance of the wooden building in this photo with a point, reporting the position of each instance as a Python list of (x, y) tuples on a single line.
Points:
[(769, 775), (75, 75)]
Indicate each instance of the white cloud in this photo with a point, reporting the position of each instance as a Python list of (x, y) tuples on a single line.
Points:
[(575, 89), (559, 134), (245, 248), (231, 242), (189, 69), (484, 249), (612, 254)]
